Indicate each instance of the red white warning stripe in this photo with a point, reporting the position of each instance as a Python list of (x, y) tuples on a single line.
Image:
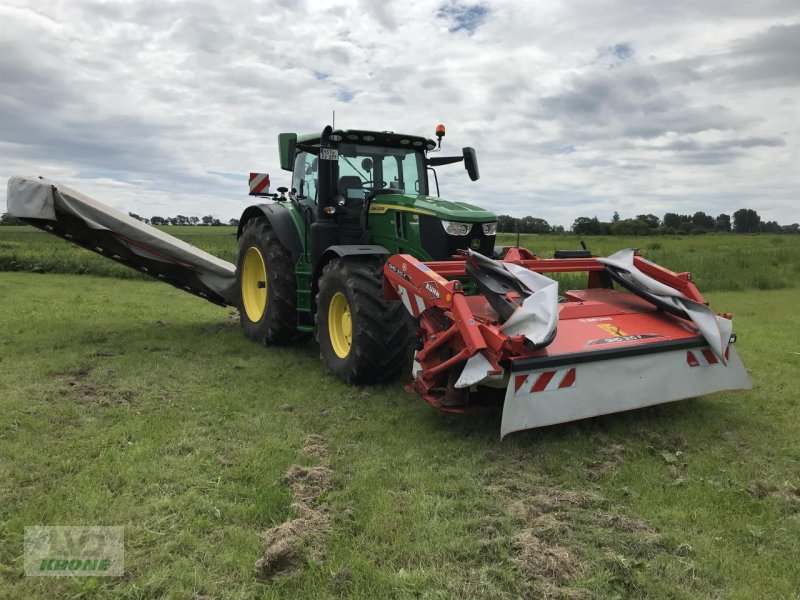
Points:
[(701, 358), (546, 381), (414, 303), (259, 183)]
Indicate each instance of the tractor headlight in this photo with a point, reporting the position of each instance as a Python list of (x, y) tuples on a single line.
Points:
[(489, 228), (454, 228)]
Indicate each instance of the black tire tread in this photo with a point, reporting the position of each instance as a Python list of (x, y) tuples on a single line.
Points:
[(279, 325), (380, 345)]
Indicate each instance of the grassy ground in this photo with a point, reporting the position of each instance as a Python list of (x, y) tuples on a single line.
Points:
[(29, 249), (718, 262), (131, 403)]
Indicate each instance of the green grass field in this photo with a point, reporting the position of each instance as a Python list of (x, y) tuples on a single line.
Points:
[(131, 403), (718, 262)]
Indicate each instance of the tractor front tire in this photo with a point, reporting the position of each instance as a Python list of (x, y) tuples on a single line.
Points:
[(362, 337), (267, 286)]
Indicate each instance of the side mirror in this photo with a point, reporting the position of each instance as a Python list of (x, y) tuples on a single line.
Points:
[(471, 163), (286, 147)]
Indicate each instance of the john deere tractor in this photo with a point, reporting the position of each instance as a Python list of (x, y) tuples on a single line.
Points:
[(311, 258), (361, 252)]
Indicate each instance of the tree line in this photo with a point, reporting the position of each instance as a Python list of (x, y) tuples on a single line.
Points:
[(744, 220), (208, 220)]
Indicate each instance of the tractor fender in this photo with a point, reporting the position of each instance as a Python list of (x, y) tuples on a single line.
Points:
[(355, 251), (281, 223)]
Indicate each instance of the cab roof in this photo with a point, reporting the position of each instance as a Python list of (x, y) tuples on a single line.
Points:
[(375, 138)]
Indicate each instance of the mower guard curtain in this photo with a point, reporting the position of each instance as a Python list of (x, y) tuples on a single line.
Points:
[(716, 330), (37, 198), (536, 318)]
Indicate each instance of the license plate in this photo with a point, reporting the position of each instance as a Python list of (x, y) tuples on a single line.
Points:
[(329, 154)]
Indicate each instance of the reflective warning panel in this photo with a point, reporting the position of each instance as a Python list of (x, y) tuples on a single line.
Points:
[(259, 184)]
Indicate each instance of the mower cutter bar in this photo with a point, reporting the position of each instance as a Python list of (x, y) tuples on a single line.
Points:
[(612, 350), (86, 222)]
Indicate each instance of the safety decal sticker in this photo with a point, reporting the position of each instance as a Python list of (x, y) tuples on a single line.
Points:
[(414, 304), (612, 329), (432, 290), (546, 381), (259, 183), (701, 358), (397, 271), (623, 338)]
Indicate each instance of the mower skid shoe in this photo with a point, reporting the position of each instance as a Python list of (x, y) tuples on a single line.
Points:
[(551, 395)]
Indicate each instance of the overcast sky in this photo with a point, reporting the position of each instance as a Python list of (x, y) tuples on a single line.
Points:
[(575, 109)]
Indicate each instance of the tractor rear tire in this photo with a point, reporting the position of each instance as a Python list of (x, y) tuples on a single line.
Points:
[(362, 337), (262, 263)]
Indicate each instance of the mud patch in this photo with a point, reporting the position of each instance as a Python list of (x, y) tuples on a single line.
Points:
[(83, 391), (157, 349), (760, 490), (301, 538)]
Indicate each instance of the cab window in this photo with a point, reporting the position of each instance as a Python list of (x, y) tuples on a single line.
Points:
[(305, 177)]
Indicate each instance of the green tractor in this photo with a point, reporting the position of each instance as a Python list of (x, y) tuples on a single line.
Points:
[(312, 258), (361, 252)]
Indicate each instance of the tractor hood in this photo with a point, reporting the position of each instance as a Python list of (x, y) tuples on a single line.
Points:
[(430, 205)]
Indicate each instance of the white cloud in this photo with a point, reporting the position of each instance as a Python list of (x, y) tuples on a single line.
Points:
[(574, 108)]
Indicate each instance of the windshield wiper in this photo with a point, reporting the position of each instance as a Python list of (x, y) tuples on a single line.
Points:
[(363, 178)]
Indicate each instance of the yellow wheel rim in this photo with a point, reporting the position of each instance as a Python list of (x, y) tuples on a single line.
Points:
[(340, 325), (254, 284)]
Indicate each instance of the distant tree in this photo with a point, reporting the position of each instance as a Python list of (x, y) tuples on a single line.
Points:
[(631, 227), (233, 222), (533, 225), (677, 222), (135, 216), (194, 220), (652, 221), (723, 223), (770, 227), (208, 220), (557, 230), (506, 224), (794, 229), (672, 220), (615, 217), (746, 220), (586, 226), (701, 220), (7, 219), (158, 221)]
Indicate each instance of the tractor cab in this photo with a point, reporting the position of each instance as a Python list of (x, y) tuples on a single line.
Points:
[(359, 187)]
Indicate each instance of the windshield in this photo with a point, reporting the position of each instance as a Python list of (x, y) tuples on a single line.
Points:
[(401, 170)]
